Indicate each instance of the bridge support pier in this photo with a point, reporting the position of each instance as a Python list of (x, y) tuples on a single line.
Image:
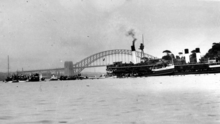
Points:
[(68, 68)]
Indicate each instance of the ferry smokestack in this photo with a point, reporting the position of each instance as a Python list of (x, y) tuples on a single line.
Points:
[(198, 55), (133, 51), (133, 45), (186, 54), (132, 34)]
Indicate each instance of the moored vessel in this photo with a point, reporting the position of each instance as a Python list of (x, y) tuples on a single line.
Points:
[(159, 67), (166, 70)]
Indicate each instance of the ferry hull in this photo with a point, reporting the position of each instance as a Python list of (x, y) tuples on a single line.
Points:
[(152, 70)]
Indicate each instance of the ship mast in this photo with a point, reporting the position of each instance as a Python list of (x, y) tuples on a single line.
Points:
[(142, 47)]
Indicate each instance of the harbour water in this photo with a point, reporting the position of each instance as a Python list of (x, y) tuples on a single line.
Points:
[(152, 100)]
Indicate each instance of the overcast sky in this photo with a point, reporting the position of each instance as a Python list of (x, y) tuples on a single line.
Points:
[(40, 34)]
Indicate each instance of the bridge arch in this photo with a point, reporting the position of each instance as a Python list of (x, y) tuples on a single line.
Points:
[(89, 60), (85, 63)]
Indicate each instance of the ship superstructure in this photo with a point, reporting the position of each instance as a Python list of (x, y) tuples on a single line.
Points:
[(159, 67)]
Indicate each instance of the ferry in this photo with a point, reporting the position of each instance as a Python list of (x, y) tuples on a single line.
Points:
[(159, 67)]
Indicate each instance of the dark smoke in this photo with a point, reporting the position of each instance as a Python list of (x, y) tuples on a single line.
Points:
[(131, 33)]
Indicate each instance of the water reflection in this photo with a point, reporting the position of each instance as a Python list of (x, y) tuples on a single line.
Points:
[(104, 102), (45, 122), (6, 117)]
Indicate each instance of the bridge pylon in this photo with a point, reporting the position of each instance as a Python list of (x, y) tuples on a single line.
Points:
[(68, 68)]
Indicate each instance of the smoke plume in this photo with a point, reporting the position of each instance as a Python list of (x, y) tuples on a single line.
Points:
[(131, 33)]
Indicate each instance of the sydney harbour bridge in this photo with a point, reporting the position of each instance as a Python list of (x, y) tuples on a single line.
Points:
[(100, 59)]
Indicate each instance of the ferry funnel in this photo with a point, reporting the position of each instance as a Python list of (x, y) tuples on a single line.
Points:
[(186, 54), (133, 51), (198, 55)]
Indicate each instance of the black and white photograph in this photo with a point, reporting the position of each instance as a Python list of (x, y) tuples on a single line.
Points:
[(109, 61)]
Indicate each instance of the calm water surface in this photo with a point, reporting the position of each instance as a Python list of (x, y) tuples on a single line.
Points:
[(168, 100)]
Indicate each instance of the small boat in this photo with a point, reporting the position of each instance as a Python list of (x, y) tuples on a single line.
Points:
[(53, 78), (34, 77), (163, 70), (214, 68), (8, 80)]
